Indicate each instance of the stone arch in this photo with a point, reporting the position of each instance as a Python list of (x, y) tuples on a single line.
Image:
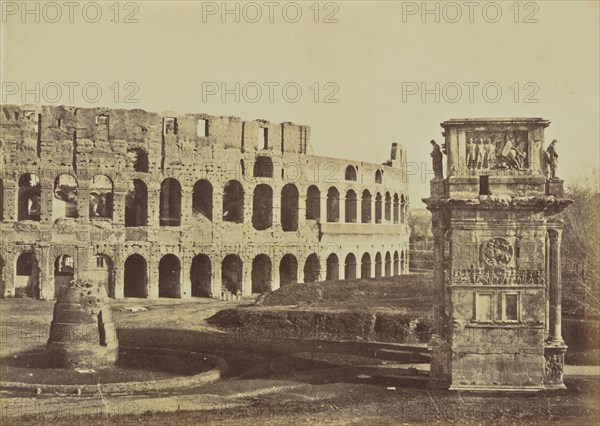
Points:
[(332, 272), (64, 271), (233, 202), (262, 207), (312, 269), (261, 274), (388, 207), (350, 173), (169, 276), (136, 204), (101, 197), (396, 208), (231, 273), (350, 267), (202, 199), (27, 275), (388, 265), (289, 207), (29, 198), (396, 263), (200, 276), (350, 206), (170, 202), (135, 277), (263, 167), (378, 264), (64, 202), (313, 203), (378, 176), (333, 205), (365, 206), (378, 208), (138, 158), (288, 270), (100, 269), (365, 266)]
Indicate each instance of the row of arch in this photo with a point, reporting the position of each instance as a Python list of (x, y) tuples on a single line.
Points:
[(101, 268), (388, 207)]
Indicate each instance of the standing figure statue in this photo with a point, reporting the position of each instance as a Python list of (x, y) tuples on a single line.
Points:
[(470, 154), (480, 153), (436, 156), (551, 160)]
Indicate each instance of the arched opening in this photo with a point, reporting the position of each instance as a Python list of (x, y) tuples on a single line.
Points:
[(288, 270), (101, 197), (202, 200), (378, 265), (231, 273), (169, 274), (332, 272), (333, 205), (27, 275), (138, 159), (402, 263), (351, 206), (289, 207), (261, 274), (233, 202), (170, 202), (350, 173), (378, 208), (313, 203), (200, 276), (64, 269), (2, 287), (135, 276), (365, 207), (396, 208), (388, 207), (378, 176), (350, 267), (365, 266), (312, 269), (30, 195), (396, 263), (136, 204), (263, 167), (402, 209), (262, 207), (64, 202), (100, 269), (388, 265)]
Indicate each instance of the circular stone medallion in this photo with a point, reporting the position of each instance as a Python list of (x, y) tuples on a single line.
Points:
[(497, 252)]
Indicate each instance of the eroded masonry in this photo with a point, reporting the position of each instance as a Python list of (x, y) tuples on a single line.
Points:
[(165, 205)]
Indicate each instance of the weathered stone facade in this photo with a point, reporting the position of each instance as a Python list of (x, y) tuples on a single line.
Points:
[(165, 205), (497, 229)]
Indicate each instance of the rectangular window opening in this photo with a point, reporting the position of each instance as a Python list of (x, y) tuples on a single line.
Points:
[(484, 185), (510, 308), (484, 307)]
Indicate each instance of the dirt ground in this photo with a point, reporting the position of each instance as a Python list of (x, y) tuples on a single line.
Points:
[(271, 381)]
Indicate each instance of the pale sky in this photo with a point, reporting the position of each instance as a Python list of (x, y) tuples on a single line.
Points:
[(369, 54)]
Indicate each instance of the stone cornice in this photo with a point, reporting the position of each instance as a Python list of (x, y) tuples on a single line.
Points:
[(490, 202)]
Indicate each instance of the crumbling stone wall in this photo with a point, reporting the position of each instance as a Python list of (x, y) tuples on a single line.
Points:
[(151, 185)]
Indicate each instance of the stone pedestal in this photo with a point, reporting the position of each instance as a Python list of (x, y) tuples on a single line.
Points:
[(82, 333)]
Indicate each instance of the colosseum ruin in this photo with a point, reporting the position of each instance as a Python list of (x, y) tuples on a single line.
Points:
[(180, 206)]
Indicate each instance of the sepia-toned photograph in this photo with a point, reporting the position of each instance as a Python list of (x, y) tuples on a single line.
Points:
[(300, 212)]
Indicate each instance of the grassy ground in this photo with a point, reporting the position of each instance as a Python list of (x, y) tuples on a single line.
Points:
[(270, 381)]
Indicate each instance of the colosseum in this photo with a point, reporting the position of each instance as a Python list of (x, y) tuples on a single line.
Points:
[(181, 206)]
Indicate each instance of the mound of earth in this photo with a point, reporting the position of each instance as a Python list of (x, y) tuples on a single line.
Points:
[(412, 291)]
